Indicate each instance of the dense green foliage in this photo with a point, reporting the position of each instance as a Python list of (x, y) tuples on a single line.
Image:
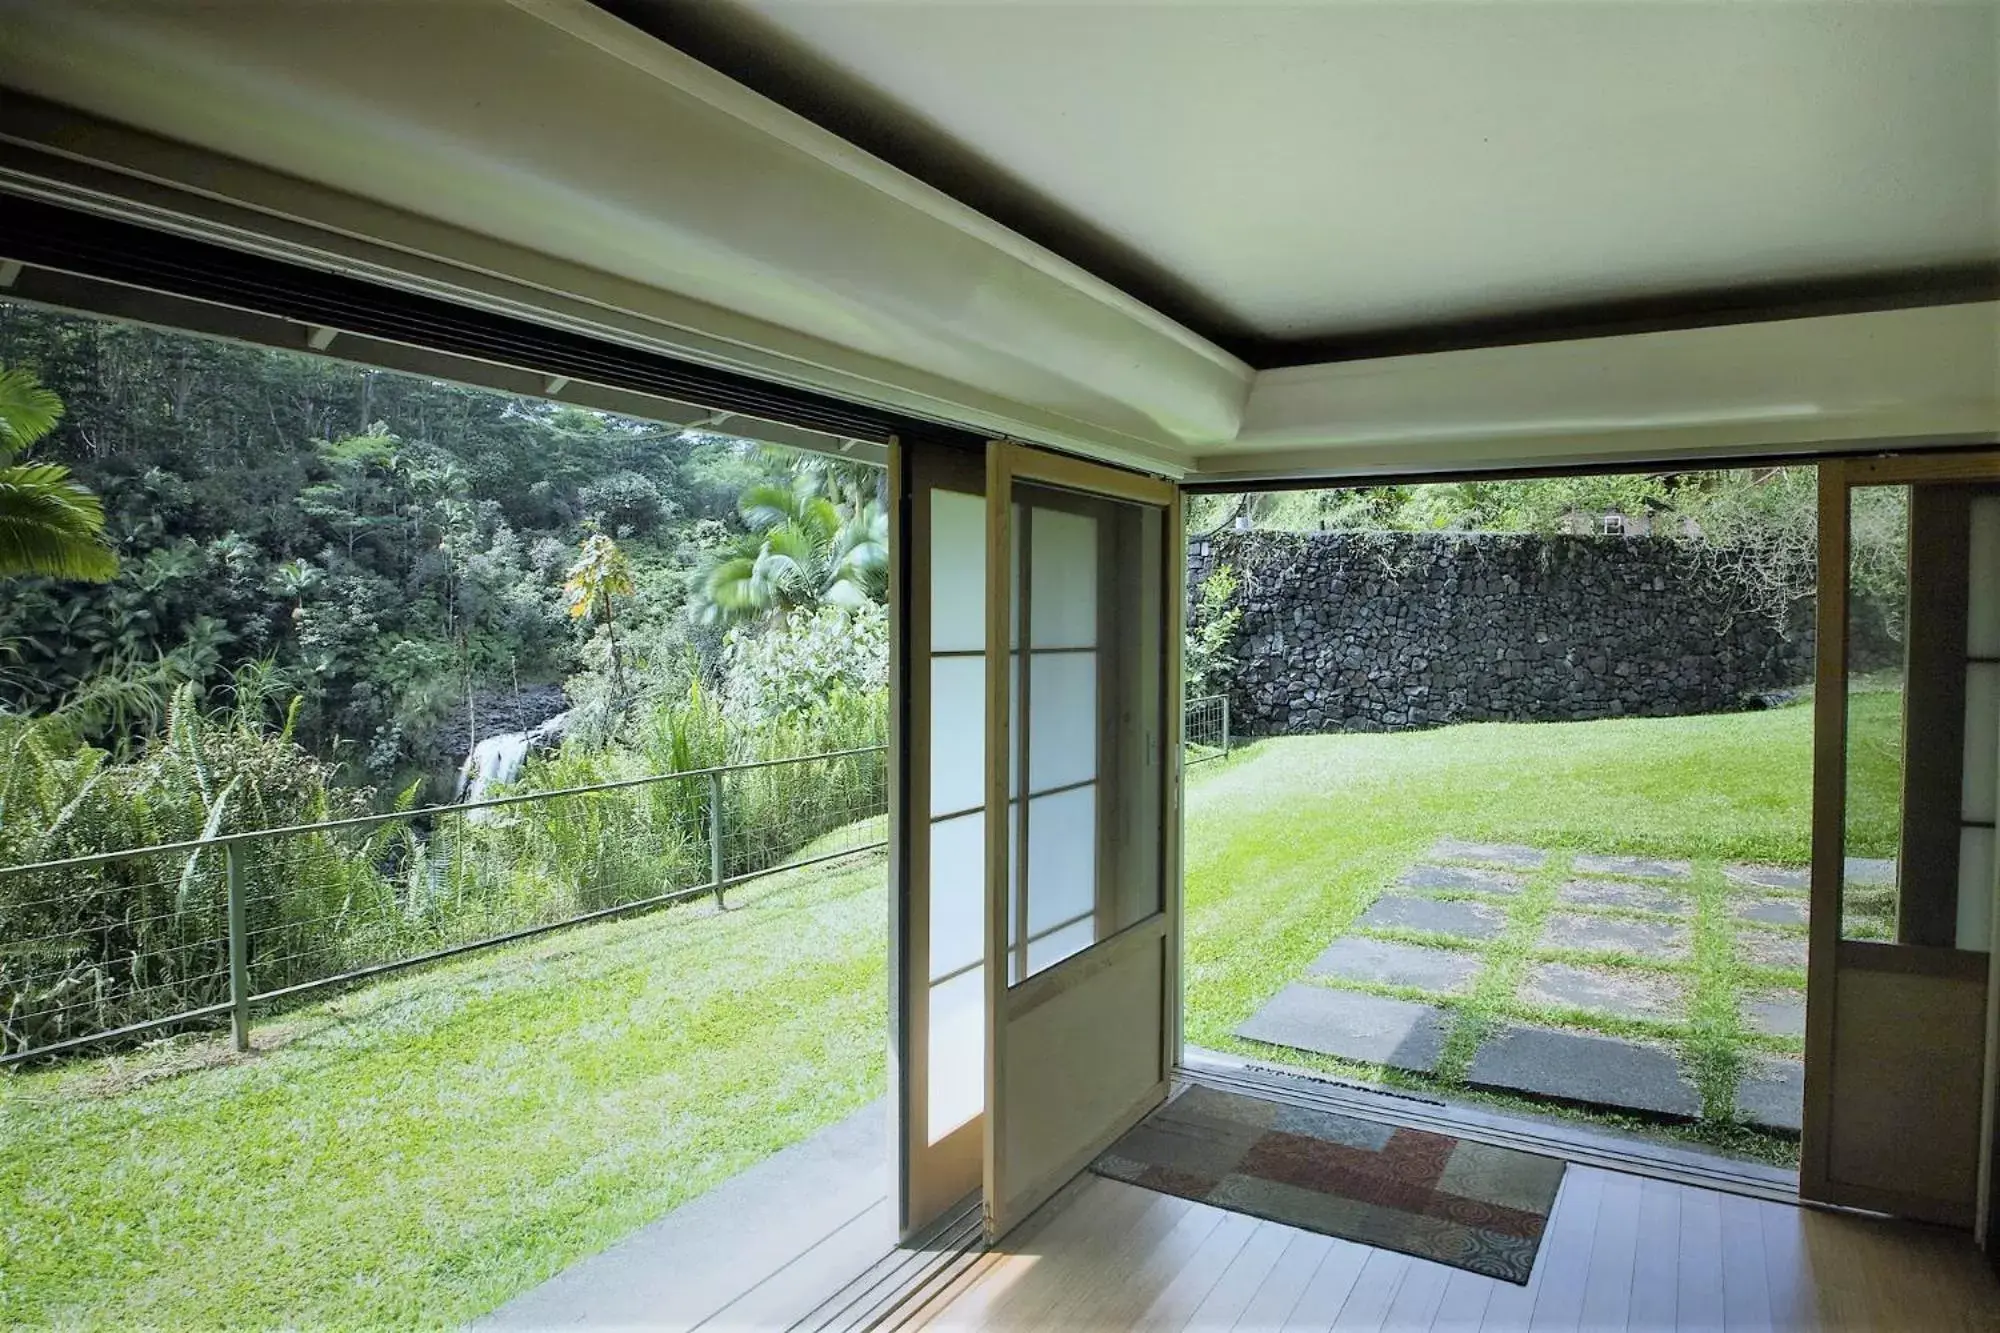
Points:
[(390, 543), (327, 573)]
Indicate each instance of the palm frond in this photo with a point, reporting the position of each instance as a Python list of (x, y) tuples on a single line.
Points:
[(27, 410), (51, 526)]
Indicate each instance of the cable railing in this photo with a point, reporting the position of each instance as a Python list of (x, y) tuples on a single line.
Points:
[(113, 945)]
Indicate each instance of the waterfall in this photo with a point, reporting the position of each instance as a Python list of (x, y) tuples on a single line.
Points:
[(498, 759), (495, 759)]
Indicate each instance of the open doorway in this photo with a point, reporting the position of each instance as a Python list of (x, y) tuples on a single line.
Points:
[(1517, 803)]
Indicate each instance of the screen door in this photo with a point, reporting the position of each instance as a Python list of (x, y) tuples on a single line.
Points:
[(1081, 788)]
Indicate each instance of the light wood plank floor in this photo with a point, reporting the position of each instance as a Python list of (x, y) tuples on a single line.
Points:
[(1621, 1252)]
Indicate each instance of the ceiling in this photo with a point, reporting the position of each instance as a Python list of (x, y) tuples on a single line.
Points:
[(1223, 241), (1313, 180)]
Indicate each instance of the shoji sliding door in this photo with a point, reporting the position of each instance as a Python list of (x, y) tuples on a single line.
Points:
[(939, 553), (1901, 1027), (1081, 752)]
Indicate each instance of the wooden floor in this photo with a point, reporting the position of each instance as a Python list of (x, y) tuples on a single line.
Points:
[(1621, 1252)]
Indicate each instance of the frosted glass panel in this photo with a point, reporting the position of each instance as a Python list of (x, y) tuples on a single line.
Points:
[(1062, 857), (957, 1052), (958, 893), (1982, 739), (1982, 619), (958, 572), (1062, 720), (958, 734), (1975, 889), (1062, 563), (1060, 944)]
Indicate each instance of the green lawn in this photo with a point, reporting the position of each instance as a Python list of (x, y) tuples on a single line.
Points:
[(419, 1151), (1290, 840)]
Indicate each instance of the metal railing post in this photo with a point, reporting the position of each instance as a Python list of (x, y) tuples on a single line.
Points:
[(715, 836), (239, 951), (1225, 726)]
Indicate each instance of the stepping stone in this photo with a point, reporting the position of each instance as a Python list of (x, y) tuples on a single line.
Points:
[(1608, 934), (1460, 879), (1774, 912), (1772, 1093), (1642, 867), (1781, 1016), (1771, 877), (1365, 1028), (1618, 893), (1436, 916), (1388, 963), (1512, 855), (1771, 948), (1605, 1071), (1607, 991), (1870, 871)]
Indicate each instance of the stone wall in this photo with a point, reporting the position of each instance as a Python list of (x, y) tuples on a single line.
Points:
[(1387, 631)]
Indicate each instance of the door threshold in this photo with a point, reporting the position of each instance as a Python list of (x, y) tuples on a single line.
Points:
[(1609, 1149), (906, 1278)]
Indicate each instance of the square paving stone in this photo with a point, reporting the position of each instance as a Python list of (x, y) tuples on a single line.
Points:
[(1472, 921), (1389, 963), (1619, 893), (1353, 1026), (1774, 911), (1511, 855), (1771, 877), (1642, 867), (1604, 1071), (1607, 934), (1776, 1016), (1461, 879), (1872, 872), (1772, 1093), (1771, 948), (1628, 994)]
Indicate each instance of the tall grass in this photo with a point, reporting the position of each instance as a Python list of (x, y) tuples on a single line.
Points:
[(86, 950)]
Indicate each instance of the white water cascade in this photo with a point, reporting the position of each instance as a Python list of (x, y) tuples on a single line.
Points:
[(498, 759)]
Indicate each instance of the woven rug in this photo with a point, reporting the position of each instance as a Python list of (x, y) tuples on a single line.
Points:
[(1461, 1203)]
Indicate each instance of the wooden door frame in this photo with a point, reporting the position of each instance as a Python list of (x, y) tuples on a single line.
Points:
[(1828, 953), (1007, 462)]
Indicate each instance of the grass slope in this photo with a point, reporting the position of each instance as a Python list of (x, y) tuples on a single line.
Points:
[(1289, 840), (421, 1150)]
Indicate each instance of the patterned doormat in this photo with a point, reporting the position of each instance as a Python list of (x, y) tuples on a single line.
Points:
[(1461, 1203)]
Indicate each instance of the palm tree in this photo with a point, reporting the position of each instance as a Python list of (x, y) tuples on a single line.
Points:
[(601, 572), (805, 548), (49, 525)]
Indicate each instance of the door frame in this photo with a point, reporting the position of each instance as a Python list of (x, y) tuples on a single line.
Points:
[(1830, 956), (1008, 462)]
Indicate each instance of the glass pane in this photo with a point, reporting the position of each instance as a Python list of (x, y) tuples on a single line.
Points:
[(1982, 741), (957, 1055), (1982, 622), (958, 734), (1062, 858), (1095, 721), (1975, 889), (958, 893), (1878, 617), (1057, 945), (1062, 720), (958, 572), (1065, 573)]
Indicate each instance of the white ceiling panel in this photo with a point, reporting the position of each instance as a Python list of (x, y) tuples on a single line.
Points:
[(1318, 169)]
